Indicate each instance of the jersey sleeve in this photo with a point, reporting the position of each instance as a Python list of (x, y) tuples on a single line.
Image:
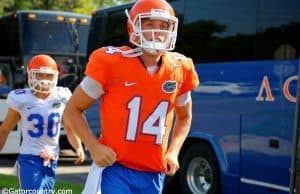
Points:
[(15, 99), (97, 67), (64, 93), (91, 87), (191, 79)]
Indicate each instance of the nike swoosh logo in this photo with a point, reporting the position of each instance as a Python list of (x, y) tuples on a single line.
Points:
[(127, 84)]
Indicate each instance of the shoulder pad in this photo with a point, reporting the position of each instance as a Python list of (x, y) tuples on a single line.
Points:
[(110, 50), (16, 98), (62, 93), (106, 55), (178, 56), (179, 60)]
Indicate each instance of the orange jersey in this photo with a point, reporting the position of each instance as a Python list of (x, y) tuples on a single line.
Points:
[(137, 108)]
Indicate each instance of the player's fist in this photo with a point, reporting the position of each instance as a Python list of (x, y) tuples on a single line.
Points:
[(171, 164), (103, 155), (80, 156)]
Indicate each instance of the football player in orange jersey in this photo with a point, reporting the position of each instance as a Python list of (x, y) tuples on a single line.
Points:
[(141, 87)]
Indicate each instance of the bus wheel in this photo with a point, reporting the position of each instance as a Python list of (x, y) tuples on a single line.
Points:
[(199, 172)]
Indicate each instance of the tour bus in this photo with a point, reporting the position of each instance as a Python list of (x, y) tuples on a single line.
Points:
[(247, 55), (23, 34)]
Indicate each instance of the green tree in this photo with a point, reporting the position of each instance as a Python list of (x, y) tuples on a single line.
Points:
[(4, 4), (78, 6)]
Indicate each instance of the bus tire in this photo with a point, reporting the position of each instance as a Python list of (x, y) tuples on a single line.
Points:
[(199, 172)]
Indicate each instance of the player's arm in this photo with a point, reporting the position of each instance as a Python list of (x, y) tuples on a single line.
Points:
[(75, 142), (83, 97), (11, 120), (183, 111)]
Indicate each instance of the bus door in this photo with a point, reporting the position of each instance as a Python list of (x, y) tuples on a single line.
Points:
[(7, 78), (267, 132), (295, 164)]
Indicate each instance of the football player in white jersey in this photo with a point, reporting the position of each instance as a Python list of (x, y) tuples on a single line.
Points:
[(39, 112)]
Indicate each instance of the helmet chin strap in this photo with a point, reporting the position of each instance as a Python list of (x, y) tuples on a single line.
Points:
[(38, 89), (153, 51), (40, 92)]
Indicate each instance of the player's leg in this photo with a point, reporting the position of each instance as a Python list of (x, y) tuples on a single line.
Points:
[(147, 182), (49, 180), (30, 174), (118, 179), (114, 181)]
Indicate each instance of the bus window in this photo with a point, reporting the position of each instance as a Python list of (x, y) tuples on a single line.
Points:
[(278, 30), (109, 29), (94, 38), (109, 26), (52, 35), (49, 32), (116, 29), (226, 36), (68, 74)]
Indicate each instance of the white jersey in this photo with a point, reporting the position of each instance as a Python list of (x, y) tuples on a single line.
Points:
[(40, 121)]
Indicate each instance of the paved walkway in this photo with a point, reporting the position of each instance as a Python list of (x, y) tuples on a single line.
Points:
[(66, 170)]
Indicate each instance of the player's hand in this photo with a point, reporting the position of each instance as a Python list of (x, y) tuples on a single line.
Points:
[(171, 164), (103, 155), (80, 156)]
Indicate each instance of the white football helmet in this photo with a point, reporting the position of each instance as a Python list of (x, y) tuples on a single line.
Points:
[(152, 9), (39, 65)]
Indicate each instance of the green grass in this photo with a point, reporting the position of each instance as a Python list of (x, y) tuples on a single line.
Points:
[(8, 181)]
